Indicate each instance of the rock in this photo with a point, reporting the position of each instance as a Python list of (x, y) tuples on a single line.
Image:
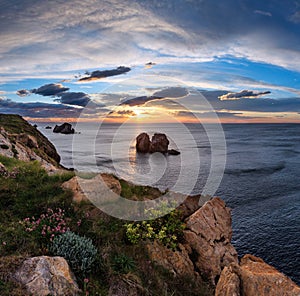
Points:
[(159, 143), (173, 152), (255, 277), (27, 140), (48, 127), (65, 128), (177, 262), (228, 284), (208, 232), (83, 189), (143, 143), (45, 275), (259, 278)]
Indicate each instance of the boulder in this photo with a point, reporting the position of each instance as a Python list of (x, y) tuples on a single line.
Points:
[(65, 128), (143, 143), (85, 189), (178, 262), (159, 143), (45, 275), (228, 284), (256, 278), (208, 232)]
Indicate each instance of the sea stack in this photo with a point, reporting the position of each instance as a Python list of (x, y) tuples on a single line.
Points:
[(158, 143), (65, 128)]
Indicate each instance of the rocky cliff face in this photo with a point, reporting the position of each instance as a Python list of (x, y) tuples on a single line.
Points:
[(254, 277), (206, 249), (207, 253), (21, 140)]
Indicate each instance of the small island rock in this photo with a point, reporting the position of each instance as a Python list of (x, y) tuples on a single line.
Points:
[(65, 128), (159, 143), (143, 143)]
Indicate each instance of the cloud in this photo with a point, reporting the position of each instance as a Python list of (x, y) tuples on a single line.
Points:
[(74, 98), (95, 75), (291, 104), (172, 92), (121, 114), (168, 92), (51, 89), (140, 100), (295, 18), (23, 93), (261, 12), (38, 110), (248, 94)]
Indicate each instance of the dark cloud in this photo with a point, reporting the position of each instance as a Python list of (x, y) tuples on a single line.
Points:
[(106, 73), (140, 100), (121, 113), (74, 98), (172, 92), (51, 89), (168, 92), (249, 94), (23, 92)]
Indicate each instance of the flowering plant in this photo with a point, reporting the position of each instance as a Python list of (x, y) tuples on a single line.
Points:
[(47, 225)]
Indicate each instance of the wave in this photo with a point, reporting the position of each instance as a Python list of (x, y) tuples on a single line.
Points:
[(258, 170)]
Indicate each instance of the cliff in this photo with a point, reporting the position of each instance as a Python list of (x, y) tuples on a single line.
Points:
[(20, 140)]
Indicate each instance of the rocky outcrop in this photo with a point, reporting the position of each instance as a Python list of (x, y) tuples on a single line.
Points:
[(85, 189), (229, 283), (21, 140), (208, 233), (206, 249), (143, 143), (256, 278), (178, 262), (159, 143), (65, 128), (45, 275)]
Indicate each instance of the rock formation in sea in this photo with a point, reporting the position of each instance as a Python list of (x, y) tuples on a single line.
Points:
[(65, 128), (158, 143), (143, 143)]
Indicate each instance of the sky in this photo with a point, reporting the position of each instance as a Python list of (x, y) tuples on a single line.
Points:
[(236, 61)]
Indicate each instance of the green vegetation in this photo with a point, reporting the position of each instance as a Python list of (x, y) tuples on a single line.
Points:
[(34, 210), (138, 192), (167, 229), (78, 250), (121, 263)]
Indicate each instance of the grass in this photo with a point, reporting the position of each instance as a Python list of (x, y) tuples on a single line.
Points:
[(33, 191), (138, 192)]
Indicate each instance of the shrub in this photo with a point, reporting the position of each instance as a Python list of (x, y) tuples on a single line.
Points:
[(79, 251), (122, 263), (167, 229)]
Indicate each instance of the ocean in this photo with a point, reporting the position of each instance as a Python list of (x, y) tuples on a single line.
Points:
[(259, 182)]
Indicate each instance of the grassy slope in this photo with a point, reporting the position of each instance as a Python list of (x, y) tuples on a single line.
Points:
[(15, 124), (33, 191)]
